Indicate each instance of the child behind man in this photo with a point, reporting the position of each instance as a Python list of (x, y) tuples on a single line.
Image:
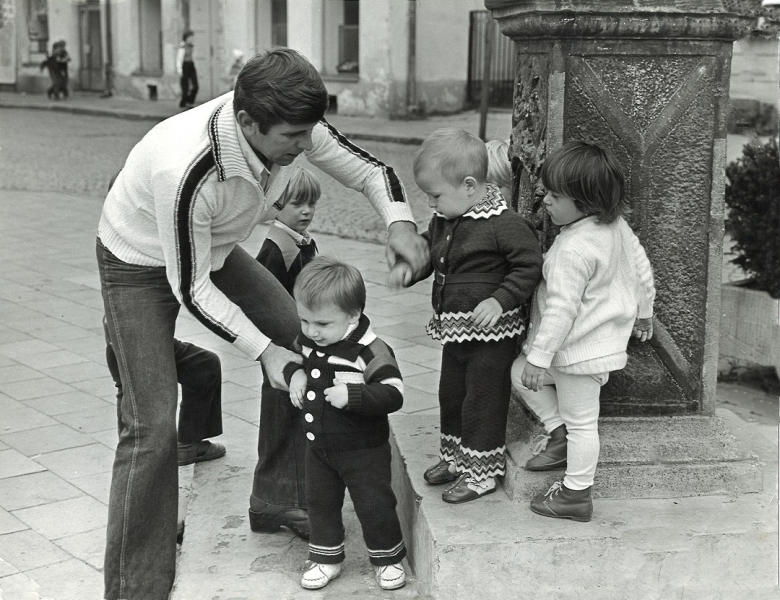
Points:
[(597, 289), (347, 386), (288, 247), (486, 262)]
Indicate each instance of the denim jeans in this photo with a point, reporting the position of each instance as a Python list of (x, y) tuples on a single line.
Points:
[(141, 315), (199, 373)]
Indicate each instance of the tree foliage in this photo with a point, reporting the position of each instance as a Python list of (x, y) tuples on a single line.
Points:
[(753, 201)]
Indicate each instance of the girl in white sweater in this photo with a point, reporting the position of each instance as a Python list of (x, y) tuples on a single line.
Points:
[(596, 291)]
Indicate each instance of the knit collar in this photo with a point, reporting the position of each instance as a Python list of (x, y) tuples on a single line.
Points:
[(492, 203), (226, 136), (350, 347)]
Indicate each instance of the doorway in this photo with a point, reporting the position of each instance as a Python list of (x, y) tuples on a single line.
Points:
[(90, 48)]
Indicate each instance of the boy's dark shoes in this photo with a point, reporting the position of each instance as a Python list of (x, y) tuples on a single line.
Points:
[(199, 451), (467, 489), (561, 502), (549, 451), (269, 519), (439, 474)]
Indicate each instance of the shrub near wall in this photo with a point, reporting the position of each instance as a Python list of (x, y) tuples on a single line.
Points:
[(750, 316)]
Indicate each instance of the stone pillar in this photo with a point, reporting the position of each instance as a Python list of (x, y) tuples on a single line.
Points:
[(649, 80)]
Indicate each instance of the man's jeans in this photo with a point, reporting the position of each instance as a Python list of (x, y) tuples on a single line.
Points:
[(141, 315)]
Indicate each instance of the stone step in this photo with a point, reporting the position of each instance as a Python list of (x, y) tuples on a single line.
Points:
[(655, 458), (722, 547), (221, 558)]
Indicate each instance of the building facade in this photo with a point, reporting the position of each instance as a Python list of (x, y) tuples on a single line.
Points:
[(377, 57)]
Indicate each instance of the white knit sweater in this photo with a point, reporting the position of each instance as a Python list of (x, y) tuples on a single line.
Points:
[(190, 191), (596, 280)]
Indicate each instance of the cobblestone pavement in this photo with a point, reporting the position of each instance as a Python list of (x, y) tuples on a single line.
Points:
[(57, 413)]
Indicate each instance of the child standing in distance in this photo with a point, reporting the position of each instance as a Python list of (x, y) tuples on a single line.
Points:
[(597, 289), (185, 69), (486, 262), (288, 247), (348, 384)]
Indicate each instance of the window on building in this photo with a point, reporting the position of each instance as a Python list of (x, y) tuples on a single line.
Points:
[(37, 26), (341, 37), (150, 37), (279, 22)]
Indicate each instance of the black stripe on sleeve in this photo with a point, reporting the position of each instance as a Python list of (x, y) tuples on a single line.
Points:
[(393, 183), (185, 203)]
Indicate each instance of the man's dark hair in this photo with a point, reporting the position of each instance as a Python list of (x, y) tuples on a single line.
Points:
[(280, 85)]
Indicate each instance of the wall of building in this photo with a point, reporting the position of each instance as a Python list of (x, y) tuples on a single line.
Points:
[(63, 25), (754, 69), (442, 53)]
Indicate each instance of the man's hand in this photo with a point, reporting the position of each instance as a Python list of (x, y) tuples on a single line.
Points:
[(298, 388), (487, 313), (643, 329), (404, 243), (400, 276), (338, 395), (274, 358), (532, 377)]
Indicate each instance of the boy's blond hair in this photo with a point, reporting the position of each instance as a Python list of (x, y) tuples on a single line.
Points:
[(326, 280), (455, 153), (302, 185), (499, 168)]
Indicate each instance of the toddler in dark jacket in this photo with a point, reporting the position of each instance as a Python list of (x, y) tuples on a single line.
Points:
[(486, 264), (348, 384)]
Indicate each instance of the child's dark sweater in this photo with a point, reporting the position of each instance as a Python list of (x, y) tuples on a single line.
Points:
[(368, 367), (283, 257), (490, 251)]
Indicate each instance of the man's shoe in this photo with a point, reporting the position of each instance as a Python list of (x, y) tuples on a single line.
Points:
[(467, 488), (199, 451), (391, 577), (271, 518), (180, 531), (439, 473), (318, 575), (549, 451), (561, 502)]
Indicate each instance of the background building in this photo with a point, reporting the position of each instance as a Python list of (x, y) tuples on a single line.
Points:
[(377, 57)]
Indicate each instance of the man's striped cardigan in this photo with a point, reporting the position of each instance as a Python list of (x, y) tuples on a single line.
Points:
[(368, 367)]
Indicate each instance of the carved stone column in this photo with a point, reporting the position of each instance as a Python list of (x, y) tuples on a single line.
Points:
[(649, 80)]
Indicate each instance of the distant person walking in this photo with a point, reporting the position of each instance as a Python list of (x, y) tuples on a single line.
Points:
[(57, 65), (185, 67)]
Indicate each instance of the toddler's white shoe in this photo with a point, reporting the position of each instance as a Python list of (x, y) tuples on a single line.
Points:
[(391, 577), (318, 575)]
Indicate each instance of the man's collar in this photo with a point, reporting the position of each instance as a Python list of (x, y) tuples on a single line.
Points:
[(232, 153)]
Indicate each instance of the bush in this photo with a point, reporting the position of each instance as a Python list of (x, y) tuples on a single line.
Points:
[(753, 200)]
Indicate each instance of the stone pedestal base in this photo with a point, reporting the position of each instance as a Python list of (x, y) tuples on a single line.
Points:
[(668, 457), (703, 547)]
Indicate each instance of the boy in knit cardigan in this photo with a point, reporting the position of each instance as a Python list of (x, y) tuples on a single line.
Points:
[(597, 290), (347, 386), (486, 262), (288, 247)]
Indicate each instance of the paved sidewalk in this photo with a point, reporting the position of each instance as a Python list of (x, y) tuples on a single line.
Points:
[(498, 126), (57, 412), (58, 430)]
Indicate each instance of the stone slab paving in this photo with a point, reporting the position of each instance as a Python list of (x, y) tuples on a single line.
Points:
[(57, 413)]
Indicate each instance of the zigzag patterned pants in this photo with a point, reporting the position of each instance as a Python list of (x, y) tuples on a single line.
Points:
[(474, 392)]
